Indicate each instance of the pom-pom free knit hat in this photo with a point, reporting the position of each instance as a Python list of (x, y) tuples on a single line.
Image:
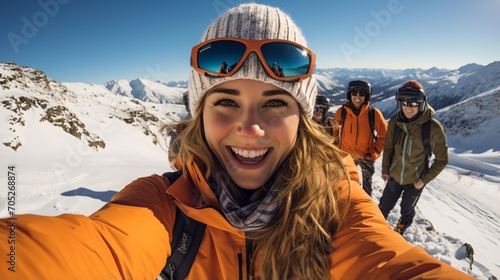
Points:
[(255, 22)]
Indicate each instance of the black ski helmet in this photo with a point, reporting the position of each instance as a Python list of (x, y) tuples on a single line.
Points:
[(359, 84), (322, 100)]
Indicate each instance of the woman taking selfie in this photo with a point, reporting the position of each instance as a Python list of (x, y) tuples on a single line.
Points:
[(277, 198)]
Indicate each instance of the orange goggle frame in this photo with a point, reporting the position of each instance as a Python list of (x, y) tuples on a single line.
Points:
[(282, 60)]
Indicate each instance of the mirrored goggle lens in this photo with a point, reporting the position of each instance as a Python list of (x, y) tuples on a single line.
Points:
[(290, 60), (410, 103), (225, 56), (220, 56)]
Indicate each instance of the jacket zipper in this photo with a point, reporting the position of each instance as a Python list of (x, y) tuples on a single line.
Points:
[(357, 129), (249, 251), (240, 263)]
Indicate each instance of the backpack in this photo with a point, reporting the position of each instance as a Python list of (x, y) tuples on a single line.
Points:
[(371, 119), (426, 135), (186, 239)]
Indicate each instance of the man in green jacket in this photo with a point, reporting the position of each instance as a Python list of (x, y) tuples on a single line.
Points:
[(405, 162)]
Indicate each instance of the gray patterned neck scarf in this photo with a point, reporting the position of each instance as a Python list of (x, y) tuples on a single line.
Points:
[(250, 217)]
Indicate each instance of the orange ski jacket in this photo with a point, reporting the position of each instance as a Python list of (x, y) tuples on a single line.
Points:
[(356, 136), (129, 238)]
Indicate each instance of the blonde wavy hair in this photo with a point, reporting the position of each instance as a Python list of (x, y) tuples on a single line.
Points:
[(297, 242)]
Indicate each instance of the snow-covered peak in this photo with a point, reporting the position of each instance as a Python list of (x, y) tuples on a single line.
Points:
[(147, 90), (469, 67), (31, 101)]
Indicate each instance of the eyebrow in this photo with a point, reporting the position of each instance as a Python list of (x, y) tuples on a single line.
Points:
[(237, 92)]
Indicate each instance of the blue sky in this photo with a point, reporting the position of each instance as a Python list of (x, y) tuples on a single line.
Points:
[(95, 41)]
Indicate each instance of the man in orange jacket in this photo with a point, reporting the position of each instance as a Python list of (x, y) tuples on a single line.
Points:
[(356, 134)]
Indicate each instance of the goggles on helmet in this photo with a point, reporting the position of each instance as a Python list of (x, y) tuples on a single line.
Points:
[(410, 94), (282, 60), (361, 85)]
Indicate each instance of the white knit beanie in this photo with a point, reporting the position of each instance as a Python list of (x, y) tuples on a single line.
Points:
[(257, 22)]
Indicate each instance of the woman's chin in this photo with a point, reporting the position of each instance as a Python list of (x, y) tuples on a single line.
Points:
[(250, 182)]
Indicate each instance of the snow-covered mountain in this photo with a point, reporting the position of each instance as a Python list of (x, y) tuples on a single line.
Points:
[(146, 90), (468, 123), (78, 110), (75, 145), (467, 101)]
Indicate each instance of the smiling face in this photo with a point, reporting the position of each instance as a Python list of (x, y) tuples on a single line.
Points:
[(358, 99), (251, 127), (409, 111), (318, 114)]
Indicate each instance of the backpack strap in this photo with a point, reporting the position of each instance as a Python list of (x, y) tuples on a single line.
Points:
[(173, 176), (186, 239), (343, 114), (426, 137), (371, 119)]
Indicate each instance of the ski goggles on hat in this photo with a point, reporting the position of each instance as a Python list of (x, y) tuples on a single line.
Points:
[(359, 85), (410, 94), (283, 60)]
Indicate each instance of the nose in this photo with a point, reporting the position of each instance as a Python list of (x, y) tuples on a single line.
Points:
[(249, 126)]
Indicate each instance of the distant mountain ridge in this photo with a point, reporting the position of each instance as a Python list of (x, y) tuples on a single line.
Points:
[(146, 90), (464, 99)]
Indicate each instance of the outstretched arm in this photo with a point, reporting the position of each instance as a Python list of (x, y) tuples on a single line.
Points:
[(117, 242), (366, 247)]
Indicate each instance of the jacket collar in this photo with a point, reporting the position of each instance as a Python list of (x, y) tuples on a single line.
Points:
[(193, 190), (193, 195)]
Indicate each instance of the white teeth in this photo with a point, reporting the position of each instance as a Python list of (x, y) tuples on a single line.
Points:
[(249, 153)]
